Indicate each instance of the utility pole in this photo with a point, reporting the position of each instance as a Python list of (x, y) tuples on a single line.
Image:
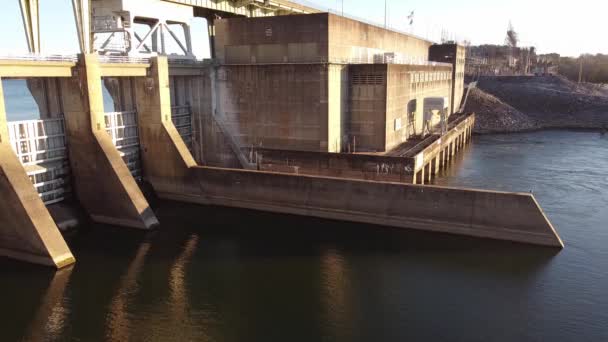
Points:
[(580, 70), (385, 12)]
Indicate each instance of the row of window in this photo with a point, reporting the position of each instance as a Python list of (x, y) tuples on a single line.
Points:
[(421, 86), (418, 77)]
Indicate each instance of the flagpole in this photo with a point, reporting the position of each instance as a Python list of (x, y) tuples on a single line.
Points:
[(385, 13)]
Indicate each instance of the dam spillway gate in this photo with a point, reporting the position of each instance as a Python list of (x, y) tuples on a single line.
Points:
[(41, 147)]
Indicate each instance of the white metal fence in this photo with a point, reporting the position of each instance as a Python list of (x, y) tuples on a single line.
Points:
[(122, 127), (182, 119), (40, 145)]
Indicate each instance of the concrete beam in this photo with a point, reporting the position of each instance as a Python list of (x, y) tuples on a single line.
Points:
[(124, 69), (166, 158), (103, 183), (27, 230), (198, 69), (20, 68)]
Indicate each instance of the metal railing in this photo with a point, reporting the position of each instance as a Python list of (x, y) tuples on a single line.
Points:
[(41, 58), (123, 59), (355, 60), (41, 147), (122, 127), (182, 119)]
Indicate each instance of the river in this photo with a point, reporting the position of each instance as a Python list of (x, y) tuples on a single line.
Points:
[(219, 274)]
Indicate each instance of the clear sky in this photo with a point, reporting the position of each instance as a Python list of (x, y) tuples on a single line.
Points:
[(569, 28)]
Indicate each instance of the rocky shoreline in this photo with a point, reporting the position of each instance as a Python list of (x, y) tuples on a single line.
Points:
[(521, 104)]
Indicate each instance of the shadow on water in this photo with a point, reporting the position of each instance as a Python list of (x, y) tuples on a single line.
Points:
[(206, 266), (291, 234)]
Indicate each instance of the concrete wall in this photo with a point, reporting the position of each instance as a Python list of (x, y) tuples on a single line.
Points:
[(380, 95), (352, 40), (366, 126), (455, 55), (424, 82), (311, 38), (294, 39), (343, 165), (279, 106), (489, 214)]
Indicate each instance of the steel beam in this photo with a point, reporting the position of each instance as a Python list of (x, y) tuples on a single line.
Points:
[(31, 24)]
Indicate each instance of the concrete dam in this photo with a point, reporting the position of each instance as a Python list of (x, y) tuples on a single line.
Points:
[(297, 111)]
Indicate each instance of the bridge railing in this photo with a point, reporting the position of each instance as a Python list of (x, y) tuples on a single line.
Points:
[(41, 147), (40, 58), (123, 59)]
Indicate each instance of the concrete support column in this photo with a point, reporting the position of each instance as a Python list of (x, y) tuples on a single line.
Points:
[(200, 103), (27, 230), (166, 158), (103, 183), (428, 172), (211, 32), (436, 163), (419, 178)]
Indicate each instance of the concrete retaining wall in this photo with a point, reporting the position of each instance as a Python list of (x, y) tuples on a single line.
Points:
[(488, 214), (345, 165)]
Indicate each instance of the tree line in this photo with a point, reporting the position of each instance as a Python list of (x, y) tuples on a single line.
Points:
[(595, 68)]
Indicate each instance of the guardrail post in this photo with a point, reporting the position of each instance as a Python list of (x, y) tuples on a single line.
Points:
[(27, 230)]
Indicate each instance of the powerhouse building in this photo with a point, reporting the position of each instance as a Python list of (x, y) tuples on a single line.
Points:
[(323, 82)]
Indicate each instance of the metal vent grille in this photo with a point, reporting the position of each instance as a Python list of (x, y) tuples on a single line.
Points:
[(369, 79)]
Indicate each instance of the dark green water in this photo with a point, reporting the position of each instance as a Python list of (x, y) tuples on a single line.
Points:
[(217, 274)]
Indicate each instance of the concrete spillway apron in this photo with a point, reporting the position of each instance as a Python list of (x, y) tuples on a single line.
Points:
[(103, 183), (27, 230)]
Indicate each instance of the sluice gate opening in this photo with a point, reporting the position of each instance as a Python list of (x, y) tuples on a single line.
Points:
[(182, 119), (123, 129), (41, 147)]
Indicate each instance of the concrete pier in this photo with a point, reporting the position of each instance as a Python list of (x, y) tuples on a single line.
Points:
[(27, 230), (166, 158), (103, 183)]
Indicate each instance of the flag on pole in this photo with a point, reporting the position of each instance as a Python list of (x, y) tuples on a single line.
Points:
[(410, 18)]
